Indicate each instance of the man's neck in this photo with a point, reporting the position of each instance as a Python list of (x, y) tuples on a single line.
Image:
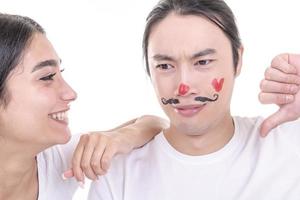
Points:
[(208, 141)]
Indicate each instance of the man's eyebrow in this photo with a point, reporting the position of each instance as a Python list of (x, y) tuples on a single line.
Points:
[(162, 57), (46, 63), (204, 53)]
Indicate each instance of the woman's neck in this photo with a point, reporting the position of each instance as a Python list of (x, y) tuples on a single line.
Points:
[(18, 173)]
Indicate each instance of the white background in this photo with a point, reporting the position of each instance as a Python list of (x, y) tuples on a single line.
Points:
[(100, 42)]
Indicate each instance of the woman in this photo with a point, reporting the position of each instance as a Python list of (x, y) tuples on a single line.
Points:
[(34, 101)]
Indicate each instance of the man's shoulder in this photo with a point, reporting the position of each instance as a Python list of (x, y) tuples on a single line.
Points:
[(138, 155), (125, 167), (285, 136), (250, 128), (247, 124), (255, 122), (248, 120), (289, 132)]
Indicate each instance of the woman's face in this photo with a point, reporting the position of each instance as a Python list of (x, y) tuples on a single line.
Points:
[(39, 98)]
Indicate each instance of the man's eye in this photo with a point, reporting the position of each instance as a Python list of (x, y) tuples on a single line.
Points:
[(164, 66), (48, 78), (203, 62)]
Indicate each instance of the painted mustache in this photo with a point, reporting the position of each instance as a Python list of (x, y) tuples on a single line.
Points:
[(206, 99), (199, 98), (169, 101)]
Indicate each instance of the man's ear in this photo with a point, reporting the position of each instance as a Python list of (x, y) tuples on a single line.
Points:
[(240, 61)]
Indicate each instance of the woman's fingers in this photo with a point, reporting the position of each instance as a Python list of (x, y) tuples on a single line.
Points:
[(76, 160), (97, 156), (93, 155), (90, 145), (67, 174), (95, 151), (110, 151)]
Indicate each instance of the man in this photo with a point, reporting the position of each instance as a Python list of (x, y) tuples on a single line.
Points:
[(193, 55)]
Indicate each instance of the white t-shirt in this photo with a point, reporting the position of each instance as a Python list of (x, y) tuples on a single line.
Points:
[(247, 168), (51, 164)]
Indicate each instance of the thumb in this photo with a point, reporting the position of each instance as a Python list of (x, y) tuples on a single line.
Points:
[(67, 174), (272, 121), (294, 59)]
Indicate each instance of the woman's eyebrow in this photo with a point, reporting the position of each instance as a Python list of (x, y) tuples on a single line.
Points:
[(46, 63)]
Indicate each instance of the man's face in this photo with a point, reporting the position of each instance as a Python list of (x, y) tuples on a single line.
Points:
[(191, 58)]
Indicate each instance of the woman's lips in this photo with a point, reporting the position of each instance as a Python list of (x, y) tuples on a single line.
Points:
[(189, 111), (61, 116)]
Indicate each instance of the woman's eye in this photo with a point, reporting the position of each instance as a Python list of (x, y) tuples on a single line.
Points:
[(164, 66), (48, 78)]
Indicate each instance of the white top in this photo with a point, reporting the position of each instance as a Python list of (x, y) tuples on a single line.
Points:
[(51, 164), (247, 168)]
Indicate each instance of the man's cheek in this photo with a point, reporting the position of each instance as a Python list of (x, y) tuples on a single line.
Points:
[(218, 84)]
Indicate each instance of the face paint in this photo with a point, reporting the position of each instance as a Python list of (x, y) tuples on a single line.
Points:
[(218, 85), (183, 89), (206, 99), (169, 101)]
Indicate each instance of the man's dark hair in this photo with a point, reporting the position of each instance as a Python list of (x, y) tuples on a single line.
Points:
[(217, 11)]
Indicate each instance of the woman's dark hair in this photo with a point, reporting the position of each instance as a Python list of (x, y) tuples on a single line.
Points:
[(217, 11), (16, 33)]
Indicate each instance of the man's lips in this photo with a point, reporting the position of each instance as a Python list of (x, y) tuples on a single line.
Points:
[(189, 110)]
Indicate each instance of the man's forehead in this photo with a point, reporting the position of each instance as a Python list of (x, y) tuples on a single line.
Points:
[(176, 22), (188, 39)]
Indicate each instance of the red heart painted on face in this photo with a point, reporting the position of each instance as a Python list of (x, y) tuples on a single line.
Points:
[(183, 89), (218, 85)]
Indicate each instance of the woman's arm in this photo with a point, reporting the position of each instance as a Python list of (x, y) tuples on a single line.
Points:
[(137, 132), (95, 150)]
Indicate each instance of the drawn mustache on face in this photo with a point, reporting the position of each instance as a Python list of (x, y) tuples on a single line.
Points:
[(206, 99), (199, 98), (169, 101)]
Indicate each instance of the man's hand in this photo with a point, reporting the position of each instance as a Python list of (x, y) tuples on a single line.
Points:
[(281, 87)]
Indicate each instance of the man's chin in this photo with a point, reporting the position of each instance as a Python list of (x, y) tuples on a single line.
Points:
[(190, 129)]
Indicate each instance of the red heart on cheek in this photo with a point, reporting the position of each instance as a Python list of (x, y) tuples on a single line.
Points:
[(218, 85)]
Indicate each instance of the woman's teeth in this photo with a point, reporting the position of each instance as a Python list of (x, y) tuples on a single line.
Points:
[(60, 116)]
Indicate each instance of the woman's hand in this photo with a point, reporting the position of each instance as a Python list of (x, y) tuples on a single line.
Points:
[(95, 150)]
